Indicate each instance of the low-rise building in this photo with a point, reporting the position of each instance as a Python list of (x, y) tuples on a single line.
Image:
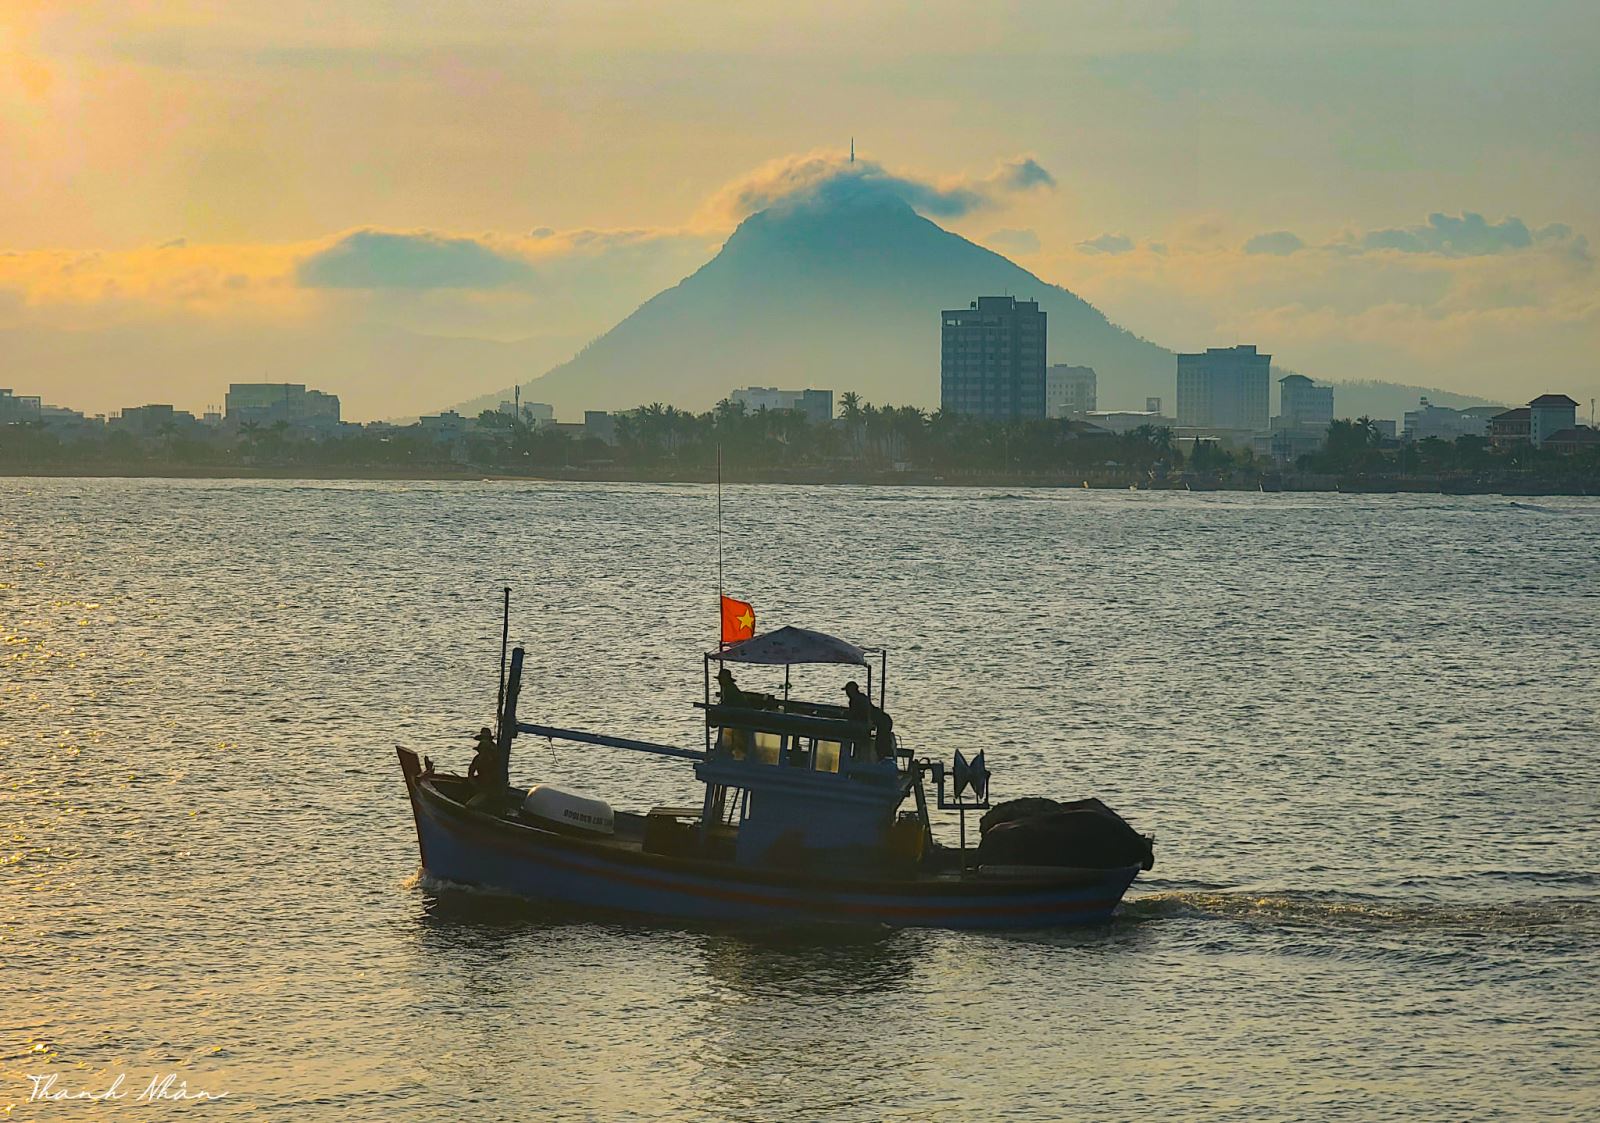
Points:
[(532, 414), (19, 407), (267, 403), (1127, 420), (1069, 391), (1444, 423), (443, 427), (600, 425), (1568, 442), (1533, 423), (154, 420), (1509, 427), (817, 405)]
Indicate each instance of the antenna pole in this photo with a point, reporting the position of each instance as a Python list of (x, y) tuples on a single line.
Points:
[(505, 636)]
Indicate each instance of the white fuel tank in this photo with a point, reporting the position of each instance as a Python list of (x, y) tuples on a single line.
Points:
[(580, 812)]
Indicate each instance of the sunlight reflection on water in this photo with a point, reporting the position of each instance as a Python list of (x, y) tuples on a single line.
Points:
[(1362, 728)]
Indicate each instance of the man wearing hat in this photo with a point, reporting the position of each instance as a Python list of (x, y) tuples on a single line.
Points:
[(484, 771)]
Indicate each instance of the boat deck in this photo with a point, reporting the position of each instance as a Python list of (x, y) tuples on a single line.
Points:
[(944, 866)]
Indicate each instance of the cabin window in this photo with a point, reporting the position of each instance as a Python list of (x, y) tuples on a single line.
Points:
[(733, 741), (827, 756), (765, 747)]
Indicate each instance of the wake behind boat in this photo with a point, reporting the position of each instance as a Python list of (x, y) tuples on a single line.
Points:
[(800, 819)]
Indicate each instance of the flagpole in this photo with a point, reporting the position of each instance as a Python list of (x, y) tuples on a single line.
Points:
[(719, 545)]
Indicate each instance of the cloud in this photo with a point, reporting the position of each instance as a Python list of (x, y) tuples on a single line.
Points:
[(1014, 241), (1278, 242), (1444, 317), (1107, 243), (1022, 174), (1464, 235), (377, 259), (832, 179)]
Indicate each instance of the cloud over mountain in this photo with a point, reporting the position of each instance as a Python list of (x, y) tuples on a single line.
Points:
[(378, 259), (1278, 242), (830, 178), (1107, 243)]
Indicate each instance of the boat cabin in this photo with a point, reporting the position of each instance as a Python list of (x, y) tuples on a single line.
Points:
[(802, 782)]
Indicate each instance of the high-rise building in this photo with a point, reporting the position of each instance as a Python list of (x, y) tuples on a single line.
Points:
[(1224, 388), (817, 405), (1302, 404), (1068, 390), (992, 359), (269, 402)]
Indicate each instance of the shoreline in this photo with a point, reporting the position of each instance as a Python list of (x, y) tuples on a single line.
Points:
[(1270, 482)]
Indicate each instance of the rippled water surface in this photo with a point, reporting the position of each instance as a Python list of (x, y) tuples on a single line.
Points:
[(1366, 731)]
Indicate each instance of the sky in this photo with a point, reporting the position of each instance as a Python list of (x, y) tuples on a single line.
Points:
[(202, 192)]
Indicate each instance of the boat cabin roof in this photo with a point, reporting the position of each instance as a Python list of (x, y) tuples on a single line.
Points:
[(789, 645)]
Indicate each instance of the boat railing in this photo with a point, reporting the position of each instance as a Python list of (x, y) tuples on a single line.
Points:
[(779, 721)]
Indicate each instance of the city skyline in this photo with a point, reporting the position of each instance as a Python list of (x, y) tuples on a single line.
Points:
[(244, 195)]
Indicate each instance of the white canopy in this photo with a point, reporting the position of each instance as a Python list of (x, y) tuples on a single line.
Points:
[(792, 645)]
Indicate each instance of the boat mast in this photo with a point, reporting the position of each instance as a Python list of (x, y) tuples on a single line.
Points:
[(505, 638), (508, 716)]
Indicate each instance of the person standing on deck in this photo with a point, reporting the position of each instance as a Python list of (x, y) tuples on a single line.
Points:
[(882, 725)]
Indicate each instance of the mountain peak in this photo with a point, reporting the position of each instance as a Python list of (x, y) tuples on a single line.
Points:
[(839, 286)]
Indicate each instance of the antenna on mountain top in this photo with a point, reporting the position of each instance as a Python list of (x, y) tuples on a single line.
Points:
[(852, 150)]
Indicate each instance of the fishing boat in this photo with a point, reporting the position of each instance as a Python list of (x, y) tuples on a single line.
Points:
[(800, 819)]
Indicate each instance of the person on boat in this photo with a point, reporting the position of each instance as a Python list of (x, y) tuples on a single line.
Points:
[(860, 708), (735, 740), (729, 692), (484, 771)]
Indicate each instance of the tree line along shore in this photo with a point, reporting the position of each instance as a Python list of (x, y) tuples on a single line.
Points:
[(867, 445)]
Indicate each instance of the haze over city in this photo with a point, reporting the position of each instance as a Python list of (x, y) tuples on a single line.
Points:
[(411, 207)]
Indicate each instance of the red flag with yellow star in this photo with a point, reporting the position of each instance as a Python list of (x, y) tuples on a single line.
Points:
[(738, 620)]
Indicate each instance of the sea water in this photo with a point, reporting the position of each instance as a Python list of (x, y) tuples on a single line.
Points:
[(1364, 729)]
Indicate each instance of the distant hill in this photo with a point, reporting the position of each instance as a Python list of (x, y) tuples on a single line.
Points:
[(1391, 399), (844, 292)]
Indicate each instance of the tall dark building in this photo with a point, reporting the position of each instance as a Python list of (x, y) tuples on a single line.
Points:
[(1224, 388), (992, 359)]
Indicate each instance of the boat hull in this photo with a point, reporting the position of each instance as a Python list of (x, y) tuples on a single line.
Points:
[(471, 848)]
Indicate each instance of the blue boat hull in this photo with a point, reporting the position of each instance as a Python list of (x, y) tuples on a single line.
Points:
[(471, 848)]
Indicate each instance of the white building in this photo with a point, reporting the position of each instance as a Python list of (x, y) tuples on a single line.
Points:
[(817, 405), (1549, 414), (1127, 420), (1225, 388), (1429, 420), (1069, 390), (1302, 404)]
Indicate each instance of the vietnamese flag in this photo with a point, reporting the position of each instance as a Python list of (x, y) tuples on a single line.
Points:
[(738, 620)]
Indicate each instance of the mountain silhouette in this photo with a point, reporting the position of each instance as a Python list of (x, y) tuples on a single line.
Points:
[(842, 290), (837, 293)]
